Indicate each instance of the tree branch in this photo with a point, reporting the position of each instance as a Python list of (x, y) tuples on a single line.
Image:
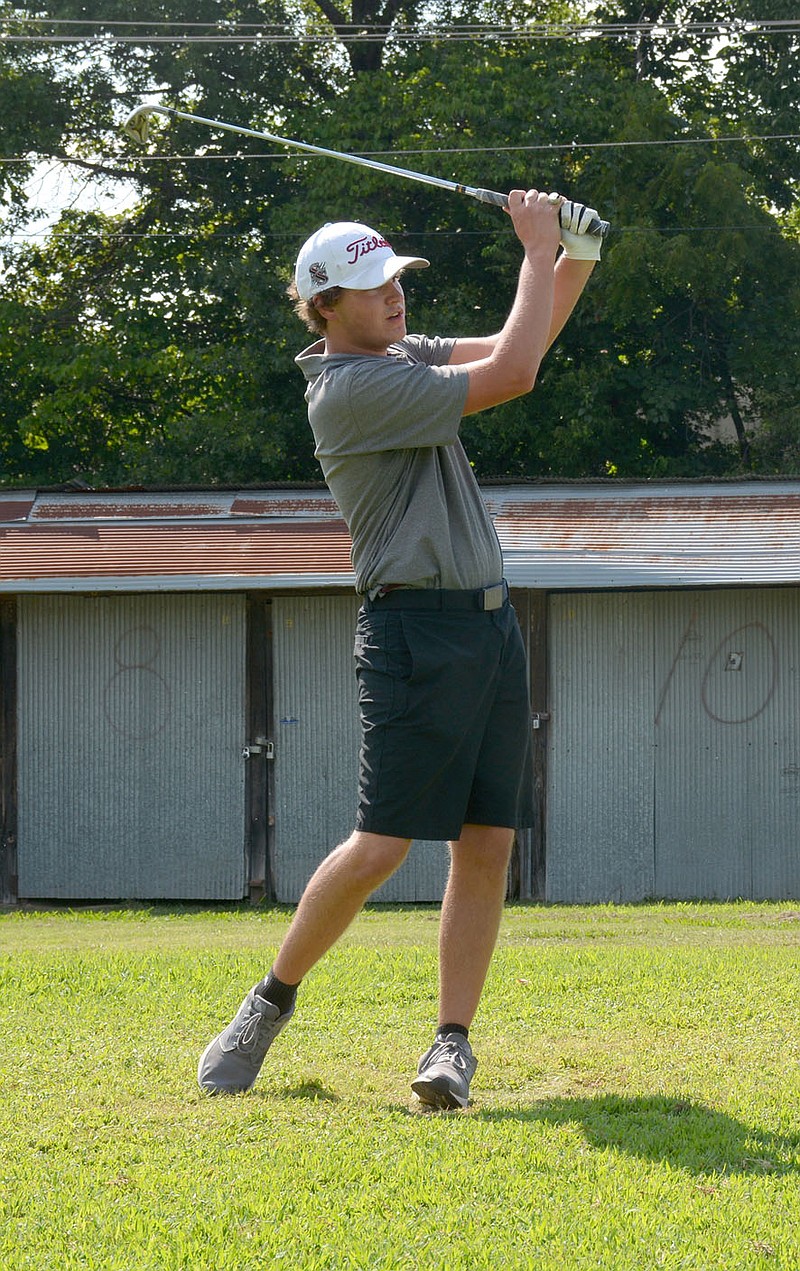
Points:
[(365, 54), (103, 169), (334, 15)]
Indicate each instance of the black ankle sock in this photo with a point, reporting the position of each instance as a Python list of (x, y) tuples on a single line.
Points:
[(443, 1029), (275, 991)]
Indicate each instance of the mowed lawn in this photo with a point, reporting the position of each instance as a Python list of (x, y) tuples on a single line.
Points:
[(636, 1105)]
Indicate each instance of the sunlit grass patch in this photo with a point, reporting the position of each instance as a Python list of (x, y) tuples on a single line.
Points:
[(635, 1106)]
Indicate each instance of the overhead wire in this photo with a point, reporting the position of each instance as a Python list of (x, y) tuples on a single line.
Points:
[(38, 29), (247, 234), (563, 27), (561, 146)]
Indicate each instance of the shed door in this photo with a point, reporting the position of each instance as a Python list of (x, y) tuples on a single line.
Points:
[(674, 748), (316, 750), (727, 815), (600, 770), (131, 727)]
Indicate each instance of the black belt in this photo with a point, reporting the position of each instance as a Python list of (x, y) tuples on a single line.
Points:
[(485, 598)]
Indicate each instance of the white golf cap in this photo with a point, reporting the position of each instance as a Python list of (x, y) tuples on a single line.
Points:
[(348, 254)]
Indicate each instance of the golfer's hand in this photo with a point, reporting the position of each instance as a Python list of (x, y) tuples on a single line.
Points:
[(577, 244), (535, 220)]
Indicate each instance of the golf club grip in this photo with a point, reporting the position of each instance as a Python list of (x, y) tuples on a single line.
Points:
[(596, 227)]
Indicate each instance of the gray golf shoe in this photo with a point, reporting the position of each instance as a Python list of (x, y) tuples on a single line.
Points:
[(232, 1061), (444, 1073)]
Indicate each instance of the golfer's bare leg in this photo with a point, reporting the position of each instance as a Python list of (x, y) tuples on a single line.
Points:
[(471, 912), (333, 897)]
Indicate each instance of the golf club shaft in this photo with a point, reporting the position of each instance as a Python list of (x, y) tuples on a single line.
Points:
[(596, 227)]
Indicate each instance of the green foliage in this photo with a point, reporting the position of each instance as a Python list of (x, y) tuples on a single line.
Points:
[(156, 345)]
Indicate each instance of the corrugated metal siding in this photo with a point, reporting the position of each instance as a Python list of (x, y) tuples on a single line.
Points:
[(728, 744), (317, 738), (674, 755), (131, 725), (316, 733), (422, 877), (600, 766)]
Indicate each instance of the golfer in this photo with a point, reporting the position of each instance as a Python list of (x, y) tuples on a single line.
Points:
[(440, 664)]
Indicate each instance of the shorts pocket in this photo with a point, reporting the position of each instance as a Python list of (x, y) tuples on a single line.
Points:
[(380, 646)]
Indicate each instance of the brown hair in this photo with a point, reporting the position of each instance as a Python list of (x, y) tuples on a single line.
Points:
[(307, 310)]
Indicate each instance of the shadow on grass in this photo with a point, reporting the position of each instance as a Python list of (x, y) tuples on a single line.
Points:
[(314, 1091), (687, 1135)]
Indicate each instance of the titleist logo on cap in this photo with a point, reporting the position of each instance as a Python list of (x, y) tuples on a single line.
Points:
[(363, 246)]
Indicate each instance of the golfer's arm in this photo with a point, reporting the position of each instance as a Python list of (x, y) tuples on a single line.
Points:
[(569, 279), (571, 276)]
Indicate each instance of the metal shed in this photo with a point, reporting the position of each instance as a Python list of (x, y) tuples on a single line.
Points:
[(177, 705)]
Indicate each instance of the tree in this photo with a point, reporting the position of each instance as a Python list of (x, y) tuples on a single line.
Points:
[(156, 345)]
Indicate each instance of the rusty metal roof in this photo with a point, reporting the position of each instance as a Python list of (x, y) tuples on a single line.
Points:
[(173, 541), (555, 536), (670, 534)]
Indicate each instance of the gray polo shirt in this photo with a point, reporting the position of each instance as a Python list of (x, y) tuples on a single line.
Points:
[(386, 432)]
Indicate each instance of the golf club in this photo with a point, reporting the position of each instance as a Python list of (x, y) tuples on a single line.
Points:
[(137, 126)]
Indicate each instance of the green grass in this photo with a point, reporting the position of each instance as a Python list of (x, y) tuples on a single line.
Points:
[(637, 1101)]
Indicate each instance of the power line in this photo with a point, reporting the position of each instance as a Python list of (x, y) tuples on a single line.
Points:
[(565, 27), (31, 30), (561, 147), (220, 23), (247, 235)]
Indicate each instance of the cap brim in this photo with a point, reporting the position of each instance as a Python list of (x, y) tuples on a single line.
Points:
[(378, 272)]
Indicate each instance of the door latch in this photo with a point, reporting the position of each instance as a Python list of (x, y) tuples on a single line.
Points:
[(261, 746), (539, 717)]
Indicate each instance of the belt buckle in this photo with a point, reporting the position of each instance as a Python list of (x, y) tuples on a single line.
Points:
[(494, 597)]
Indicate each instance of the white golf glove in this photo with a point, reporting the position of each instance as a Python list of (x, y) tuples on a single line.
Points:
[(577, 244)]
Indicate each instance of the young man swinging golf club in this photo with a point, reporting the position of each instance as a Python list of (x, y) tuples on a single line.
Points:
[(440, 664)]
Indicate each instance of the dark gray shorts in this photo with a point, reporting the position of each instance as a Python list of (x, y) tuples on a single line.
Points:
[(445, 721)]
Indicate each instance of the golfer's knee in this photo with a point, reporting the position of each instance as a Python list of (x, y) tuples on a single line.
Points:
[(372, 858), (484, 846)]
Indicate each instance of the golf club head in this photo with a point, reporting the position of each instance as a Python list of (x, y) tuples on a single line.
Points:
[(137, 125)]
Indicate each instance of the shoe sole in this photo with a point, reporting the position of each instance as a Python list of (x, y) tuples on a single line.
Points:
[(436, 1093)]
